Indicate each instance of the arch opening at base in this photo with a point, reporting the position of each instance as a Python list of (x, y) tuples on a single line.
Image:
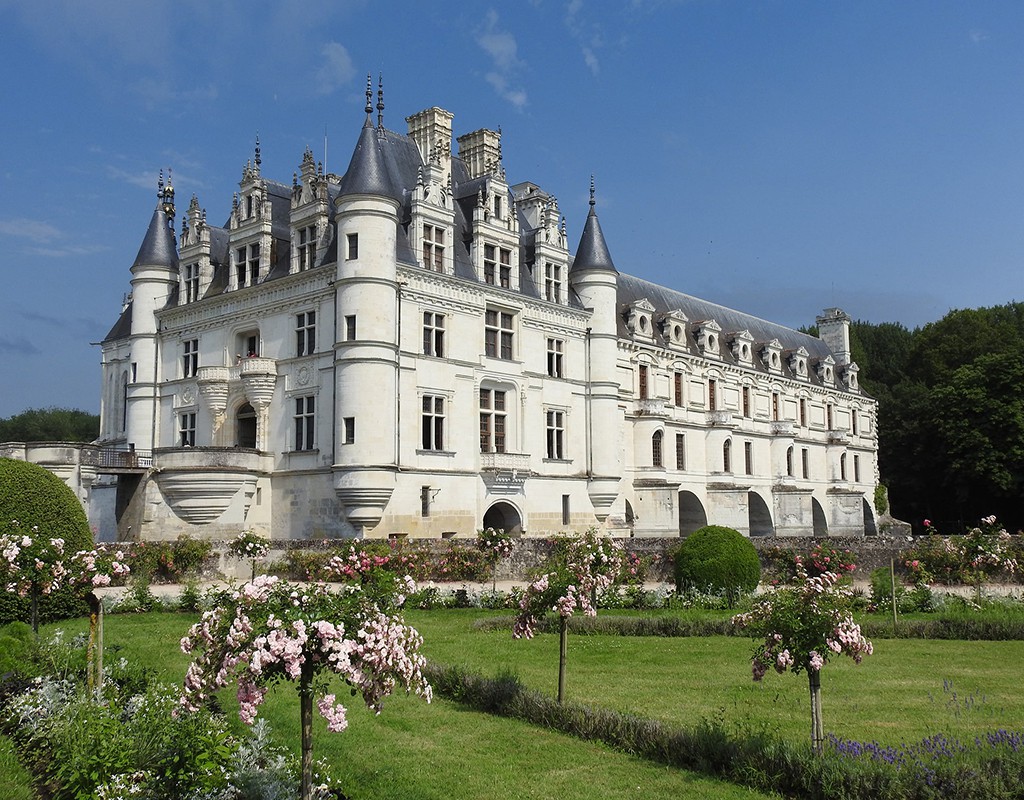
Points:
[(504, 516), (692, 515)]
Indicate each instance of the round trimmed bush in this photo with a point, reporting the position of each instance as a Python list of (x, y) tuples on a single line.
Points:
[(33, 495), (717, 559)]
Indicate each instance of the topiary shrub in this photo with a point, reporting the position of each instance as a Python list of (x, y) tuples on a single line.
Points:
[(717, 559), (33, 495)]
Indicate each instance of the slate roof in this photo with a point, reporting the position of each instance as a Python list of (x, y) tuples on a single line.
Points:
[(632, 289), (158, 247)]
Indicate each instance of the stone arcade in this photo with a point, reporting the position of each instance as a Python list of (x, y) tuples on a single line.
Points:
[(411, 349)]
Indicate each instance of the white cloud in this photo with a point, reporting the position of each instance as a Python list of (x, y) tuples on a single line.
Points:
[(503, 50), (32, 229), (585, 33), (978, 36), (336, 70)]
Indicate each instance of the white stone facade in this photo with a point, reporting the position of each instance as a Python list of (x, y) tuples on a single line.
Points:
[(412, 349)]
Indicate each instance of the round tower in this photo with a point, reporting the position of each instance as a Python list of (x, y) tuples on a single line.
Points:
[(595, 280), (154, 274), (366, 350)]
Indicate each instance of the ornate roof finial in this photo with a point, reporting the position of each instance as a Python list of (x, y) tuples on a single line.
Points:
[(369, 95), (592, 201), (168, 197), (160, 186), (380, 100), (258, 160)]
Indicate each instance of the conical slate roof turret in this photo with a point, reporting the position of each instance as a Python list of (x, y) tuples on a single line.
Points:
[(367, 172), (158, 248), (592, 252)]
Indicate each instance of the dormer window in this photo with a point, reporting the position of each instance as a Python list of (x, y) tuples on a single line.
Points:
[(850, 377), (307, 247), (742, 347), (433, 248), (798, 362), (639, 318), (191, 278), (771, 355), (497, 266), (553, 282), (247, 265), (827, 370), (708, 336), (673, 328)]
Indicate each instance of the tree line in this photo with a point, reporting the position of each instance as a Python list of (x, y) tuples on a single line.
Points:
[(950, 414)]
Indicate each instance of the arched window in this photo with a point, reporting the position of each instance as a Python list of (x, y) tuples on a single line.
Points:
[(245, 427), (656, 450), (727, 456), (789, 462), (842, 467)]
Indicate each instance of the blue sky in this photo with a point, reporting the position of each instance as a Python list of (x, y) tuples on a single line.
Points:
[(774, 156)]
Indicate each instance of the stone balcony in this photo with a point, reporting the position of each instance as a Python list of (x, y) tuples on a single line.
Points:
[(719, 418), (781, 427), (652, 407), (515, 462), (839, 436)]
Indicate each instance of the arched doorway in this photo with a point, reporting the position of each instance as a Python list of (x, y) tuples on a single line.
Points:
[(818, 518), (759, 518), (245, 427), (870, 529), (692, 515), (504, 516)]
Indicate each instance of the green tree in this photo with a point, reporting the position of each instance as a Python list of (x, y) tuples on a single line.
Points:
[(50, 425), (719, 559), (34, 496)]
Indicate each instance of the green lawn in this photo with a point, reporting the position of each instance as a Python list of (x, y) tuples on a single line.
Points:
[(895, 695), (446, 751), (441, 750)]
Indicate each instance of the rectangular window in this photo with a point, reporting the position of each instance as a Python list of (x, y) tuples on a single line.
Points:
[(252, 345), (433, 334), (775, 406), (748, 458), (187, 429), (677, 388), (746, 401), (433, 423), (565, 509), (553, 282), (424, 501), (803, 413), (498, 334), (191, 283), (853, 421), (304, 422), (247, 265), (350, 327), (433, 248), (190, 358), (254, 264), (497, 266), (555, 358), (680, 451), (642, 378), (712, 394), (856, 468), (352, 246), (555, 434), (305, 333), (349, 424), (805, 462), (307, 247), (829, 417), (492, 421)]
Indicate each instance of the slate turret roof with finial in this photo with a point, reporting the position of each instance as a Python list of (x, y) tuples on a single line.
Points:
[(158, 247), (592, 252), (367, 172)]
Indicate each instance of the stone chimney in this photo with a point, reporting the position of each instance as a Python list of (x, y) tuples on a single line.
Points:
[(431, 129), (481, 150), (834, 330)]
